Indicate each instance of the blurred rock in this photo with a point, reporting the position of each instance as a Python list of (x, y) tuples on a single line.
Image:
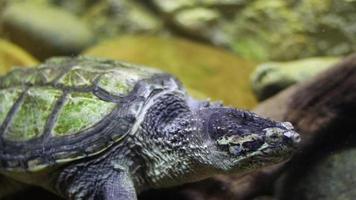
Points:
[(12, 55), (197, 20), (201, 20), (313, 104), (333, 178), (44, 30), (77, 7), (285, 30), (267, 30), (270, 78), (112, 18), (276, 107), (325, 98), (323, 110), (214, 72), (259, 30), (108, 18)]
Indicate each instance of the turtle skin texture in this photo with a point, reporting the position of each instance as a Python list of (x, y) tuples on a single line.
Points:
[(90, 128)]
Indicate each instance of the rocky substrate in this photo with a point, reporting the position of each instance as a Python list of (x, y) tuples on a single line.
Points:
[(259, 30)]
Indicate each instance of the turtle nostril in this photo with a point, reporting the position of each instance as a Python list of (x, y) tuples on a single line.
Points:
[(296, 138)]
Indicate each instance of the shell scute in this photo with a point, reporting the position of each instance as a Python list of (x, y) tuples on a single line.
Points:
[(30, 119), (79, 112), (18, 77), (80, 77), (47, 75), (117, 82), (30, 76), (7, 98)]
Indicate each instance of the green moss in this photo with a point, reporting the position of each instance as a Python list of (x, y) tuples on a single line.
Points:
[(29, 121), (80, 111), (267, 30), (288, 30), (107, 21)]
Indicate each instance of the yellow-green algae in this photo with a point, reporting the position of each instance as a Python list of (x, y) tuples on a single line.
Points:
[(212, 71), (18, 77), (47, 74), (116, 78), (32, 76), (12, 55), (123, 81), (7, 100), (33, 113), (80, 111)]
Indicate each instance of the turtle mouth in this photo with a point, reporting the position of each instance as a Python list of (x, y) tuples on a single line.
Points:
[(263, 156)]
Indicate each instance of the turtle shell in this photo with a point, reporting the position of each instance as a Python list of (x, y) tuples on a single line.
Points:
[(69, 108)]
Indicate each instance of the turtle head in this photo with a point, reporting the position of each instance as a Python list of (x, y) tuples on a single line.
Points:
[(242, 141)]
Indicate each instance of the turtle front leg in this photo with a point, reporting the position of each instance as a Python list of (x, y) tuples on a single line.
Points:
[(95, 183), (116, 187)]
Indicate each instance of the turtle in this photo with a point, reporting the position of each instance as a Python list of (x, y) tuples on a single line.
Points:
[(95, 128)]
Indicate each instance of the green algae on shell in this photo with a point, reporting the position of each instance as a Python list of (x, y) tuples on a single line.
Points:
[(31, 117), (66, 100), (79, 112)]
